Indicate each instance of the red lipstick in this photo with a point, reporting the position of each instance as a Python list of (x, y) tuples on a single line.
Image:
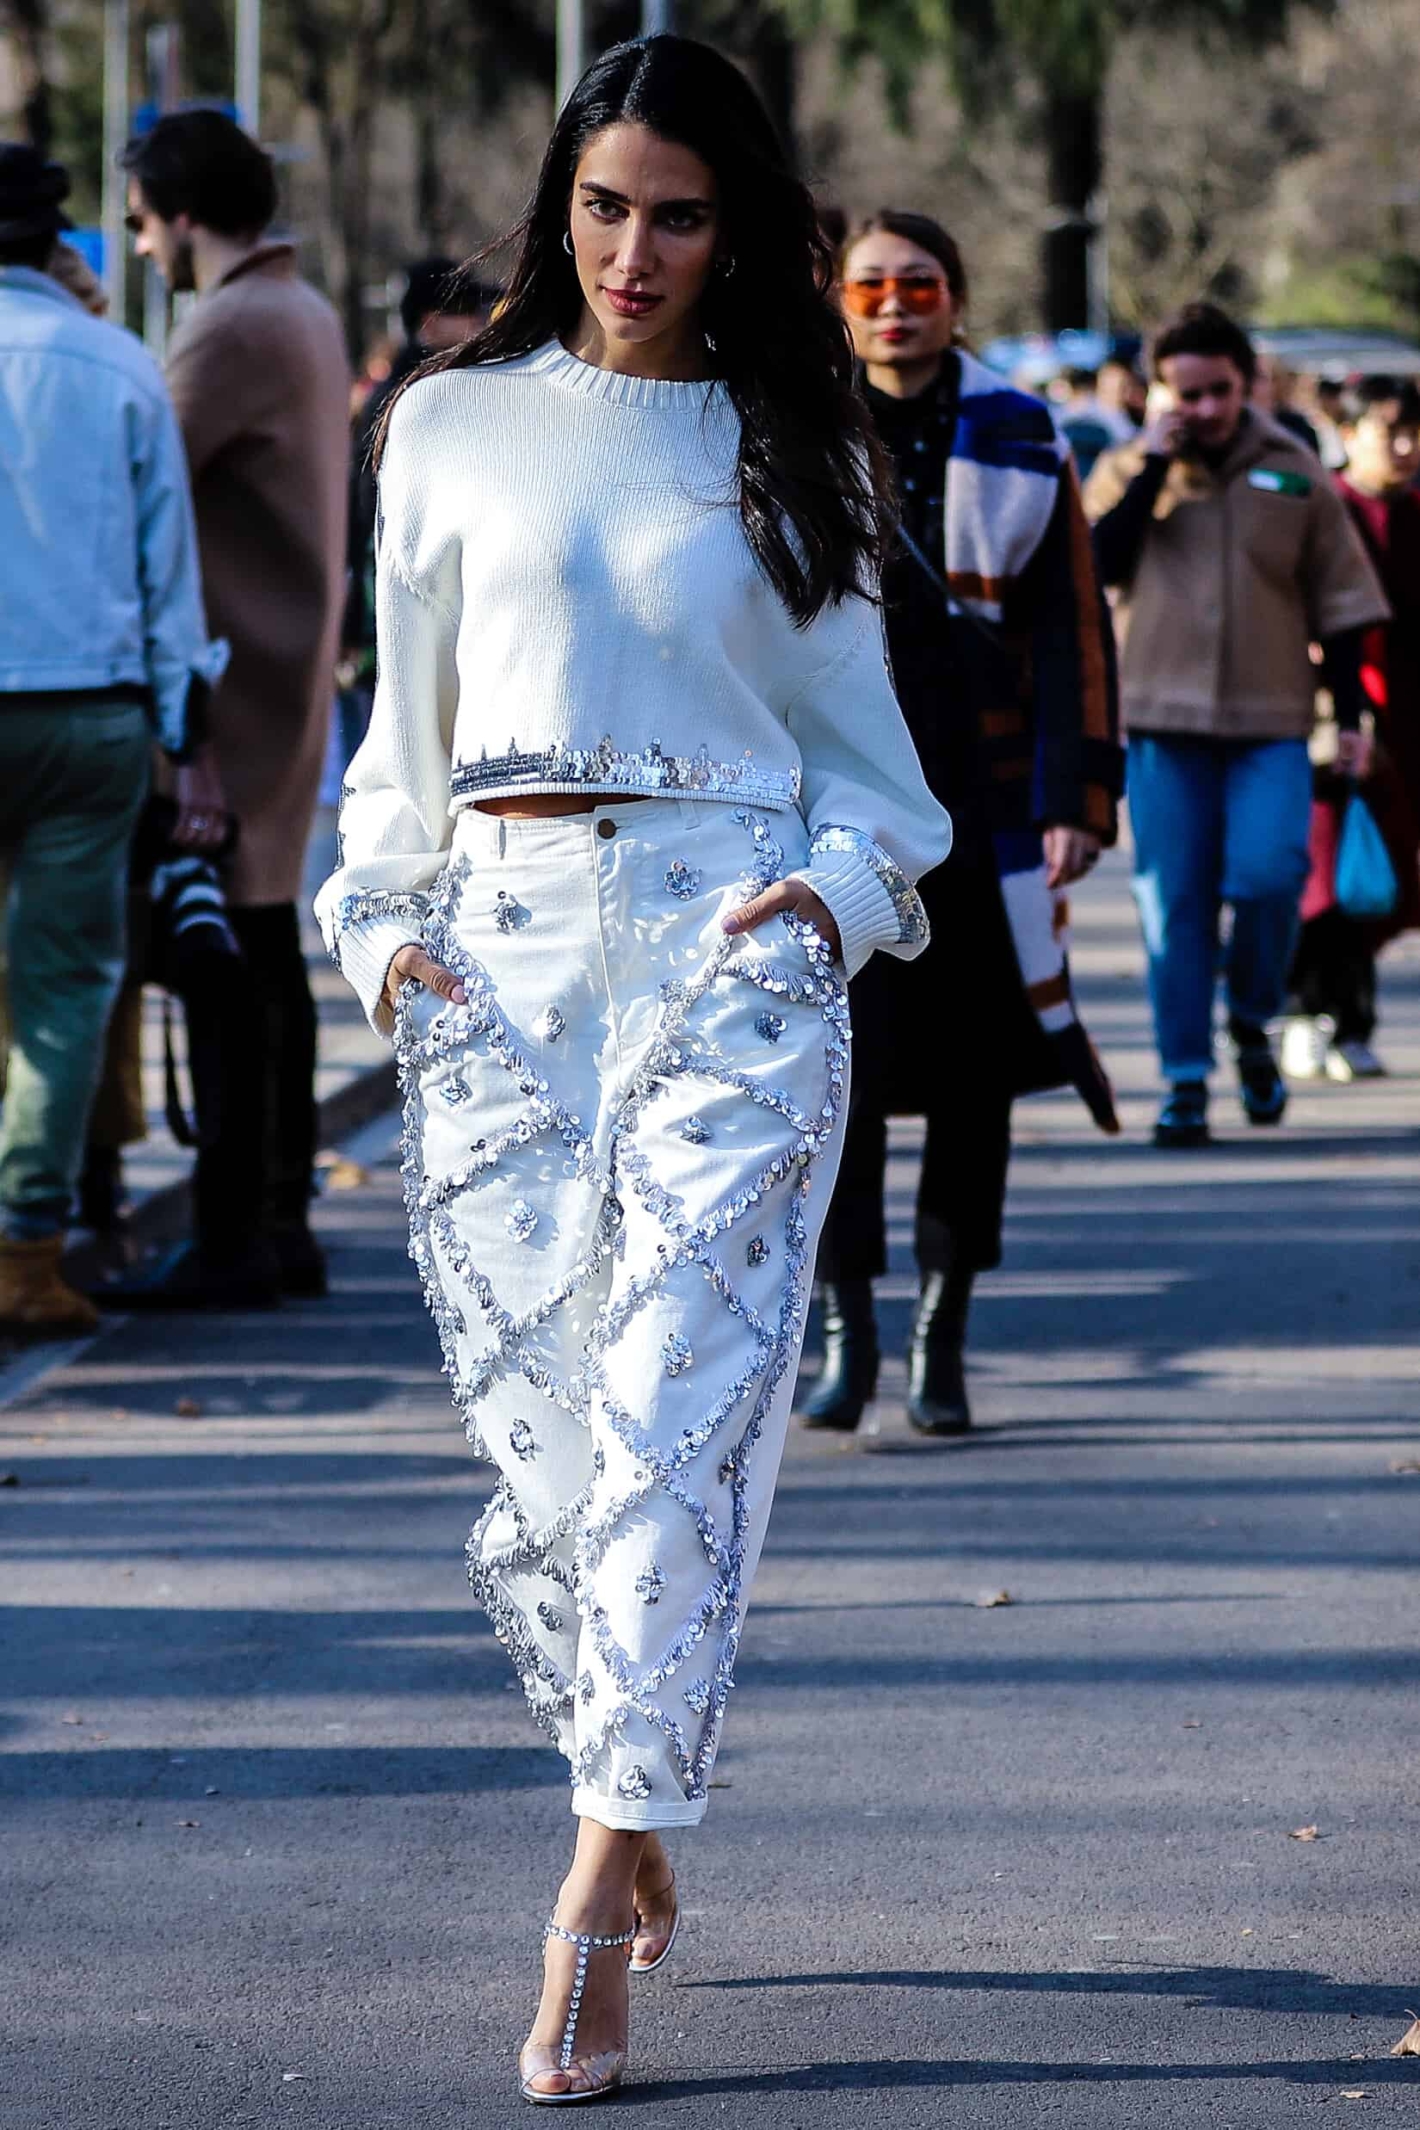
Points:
[(630, 302)]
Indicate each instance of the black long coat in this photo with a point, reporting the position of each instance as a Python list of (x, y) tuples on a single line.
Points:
[(957, 1018)]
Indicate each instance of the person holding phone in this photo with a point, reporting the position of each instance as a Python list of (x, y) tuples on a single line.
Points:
[(1230, 555)]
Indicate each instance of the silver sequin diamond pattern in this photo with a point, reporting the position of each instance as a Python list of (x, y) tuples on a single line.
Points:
[(523, 1579)]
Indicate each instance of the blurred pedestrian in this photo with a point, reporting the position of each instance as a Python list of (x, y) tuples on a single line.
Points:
[(118, 1117), (259, 375), (1323, 401), (1231, 553), (102, 644), (1089, 427), (1001, 658), (440, 308), (1123, 394), (1273, 392), (372, 372), (1333, 981), (632, 708), (72, 270)]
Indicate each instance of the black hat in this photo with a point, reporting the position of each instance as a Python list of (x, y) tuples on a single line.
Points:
[(30, 192)]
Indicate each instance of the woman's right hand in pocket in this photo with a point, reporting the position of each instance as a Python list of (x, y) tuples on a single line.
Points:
[(413, 962)]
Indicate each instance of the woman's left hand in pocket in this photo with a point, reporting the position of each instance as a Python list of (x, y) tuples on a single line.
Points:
[(792, 895)]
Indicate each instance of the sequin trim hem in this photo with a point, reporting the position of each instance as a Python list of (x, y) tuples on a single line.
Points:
[(367, 905), (912, 927), (607, 767)]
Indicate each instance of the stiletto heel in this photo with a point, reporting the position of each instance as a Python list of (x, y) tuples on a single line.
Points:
[(648, 1967), (603, 2072)]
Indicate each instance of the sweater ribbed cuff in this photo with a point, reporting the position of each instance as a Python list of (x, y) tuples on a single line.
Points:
[(859, 904), (365, 950)]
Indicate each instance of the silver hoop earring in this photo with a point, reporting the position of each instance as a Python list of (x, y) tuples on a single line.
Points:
[(725, 267), (567, 245)]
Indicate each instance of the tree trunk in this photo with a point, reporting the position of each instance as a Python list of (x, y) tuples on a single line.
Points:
[(425, 82), (30, 44), (1074, 165), (342, 79), (774, 66), (355, 201)]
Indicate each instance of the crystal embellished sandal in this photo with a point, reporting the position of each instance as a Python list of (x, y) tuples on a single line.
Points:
[(603, 2073), (648, 1967)]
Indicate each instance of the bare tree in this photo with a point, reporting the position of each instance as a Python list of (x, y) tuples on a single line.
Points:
[(1064, 49), (1198, 148)]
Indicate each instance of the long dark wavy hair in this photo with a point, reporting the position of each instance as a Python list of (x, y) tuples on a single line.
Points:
[(814, 489)]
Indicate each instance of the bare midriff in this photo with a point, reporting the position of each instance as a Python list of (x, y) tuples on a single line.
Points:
[(547, 805)]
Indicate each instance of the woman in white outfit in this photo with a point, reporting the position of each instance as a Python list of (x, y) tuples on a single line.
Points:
[(635, 799)]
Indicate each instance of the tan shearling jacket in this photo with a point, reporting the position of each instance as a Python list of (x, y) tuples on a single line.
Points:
[(1241, 569)]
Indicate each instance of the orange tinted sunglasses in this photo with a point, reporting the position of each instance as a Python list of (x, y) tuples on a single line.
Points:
[(919, 293)]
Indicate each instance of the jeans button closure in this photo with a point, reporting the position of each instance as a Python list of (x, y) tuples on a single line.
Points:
[(606, 828)]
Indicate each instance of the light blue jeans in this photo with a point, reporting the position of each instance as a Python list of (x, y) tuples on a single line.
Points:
[(1215, 822)]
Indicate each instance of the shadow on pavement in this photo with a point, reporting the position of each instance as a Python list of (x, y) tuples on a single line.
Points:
[(1277, 1989), (241, 1773), (882, 2076)]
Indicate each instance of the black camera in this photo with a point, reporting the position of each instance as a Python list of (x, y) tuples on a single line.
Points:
[(188, 926)]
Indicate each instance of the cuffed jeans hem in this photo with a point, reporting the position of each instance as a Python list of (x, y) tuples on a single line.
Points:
[(630, 1818), (1176, 1069)]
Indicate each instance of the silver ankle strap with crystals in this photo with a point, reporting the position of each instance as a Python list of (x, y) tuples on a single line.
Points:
[(586, 1946)]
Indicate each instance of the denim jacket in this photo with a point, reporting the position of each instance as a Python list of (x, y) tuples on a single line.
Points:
[(101, 581)]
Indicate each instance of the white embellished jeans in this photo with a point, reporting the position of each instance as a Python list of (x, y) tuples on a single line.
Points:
[(619, 1155)]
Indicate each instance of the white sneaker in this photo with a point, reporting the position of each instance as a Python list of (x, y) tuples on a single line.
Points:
[(1352, 1060), (1305, 1042)]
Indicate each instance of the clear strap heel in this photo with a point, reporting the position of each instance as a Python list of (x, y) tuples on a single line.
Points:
[(648, 1967), (602, 2073)]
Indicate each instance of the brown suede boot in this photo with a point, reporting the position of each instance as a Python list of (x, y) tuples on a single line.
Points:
[(35, 1300)]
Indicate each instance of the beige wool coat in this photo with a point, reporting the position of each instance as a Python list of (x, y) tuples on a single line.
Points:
[(1243, 567), (259, 376)]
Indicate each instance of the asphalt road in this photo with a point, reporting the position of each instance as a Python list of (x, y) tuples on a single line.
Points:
[(278, 1838)]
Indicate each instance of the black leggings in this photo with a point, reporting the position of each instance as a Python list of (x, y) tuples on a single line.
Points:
[(961, 1191), (252, 1051)]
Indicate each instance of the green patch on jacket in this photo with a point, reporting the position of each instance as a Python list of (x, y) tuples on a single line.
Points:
[(1278, 483)]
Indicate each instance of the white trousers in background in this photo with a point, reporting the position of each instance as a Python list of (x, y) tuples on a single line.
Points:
[(618, 1157)]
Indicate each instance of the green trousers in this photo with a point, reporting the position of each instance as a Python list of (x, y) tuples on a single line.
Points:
[(73, 776)]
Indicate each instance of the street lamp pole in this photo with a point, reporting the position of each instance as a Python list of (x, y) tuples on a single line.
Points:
[(571, 47), (249, 66), (115, 185)]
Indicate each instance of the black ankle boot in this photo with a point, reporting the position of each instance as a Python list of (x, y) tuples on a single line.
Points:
[(936, 1373), (850, 1357)]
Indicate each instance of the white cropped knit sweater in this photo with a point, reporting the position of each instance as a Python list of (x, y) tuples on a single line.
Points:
[(566, 601)]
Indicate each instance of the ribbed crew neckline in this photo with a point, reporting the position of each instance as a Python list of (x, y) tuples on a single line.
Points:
[(571, 374)]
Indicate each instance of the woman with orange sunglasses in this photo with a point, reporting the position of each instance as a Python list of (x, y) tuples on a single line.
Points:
[(1002, 659)]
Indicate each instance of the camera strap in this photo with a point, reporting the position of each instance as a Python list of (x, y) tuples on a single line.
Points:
[(177, 1117), (939, 583)]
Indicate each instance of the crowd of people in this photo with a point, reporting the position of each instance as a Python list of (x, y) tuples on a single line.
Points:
[(1160, 546), (658, 801)]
